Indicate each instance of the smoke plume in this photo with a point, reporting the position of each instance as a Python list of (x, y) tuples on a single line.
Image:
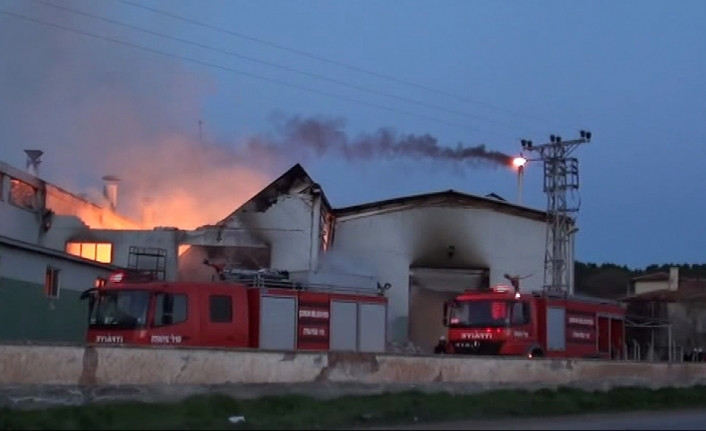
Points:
[(96, 108), (326, 136)]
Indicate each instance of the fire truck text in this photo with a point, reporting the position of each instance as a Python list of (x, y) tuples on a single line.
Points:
[(116, 339), (165, 339)]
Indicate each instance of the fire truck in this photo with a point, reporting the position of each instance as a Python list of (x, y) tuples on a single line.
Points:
[(243, 309), (503, 321)]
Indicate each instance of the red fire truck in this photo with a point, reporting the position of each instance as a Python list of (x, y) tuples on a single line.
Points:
[(502, 321), (257, 309)]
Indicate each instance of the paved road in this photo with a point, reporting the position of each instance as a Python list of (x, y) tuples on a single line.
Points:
[(673, 420)]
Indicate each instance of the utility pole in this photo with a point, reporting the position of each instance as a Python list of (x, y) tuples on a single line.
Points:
[(561, 180), (200, 133)]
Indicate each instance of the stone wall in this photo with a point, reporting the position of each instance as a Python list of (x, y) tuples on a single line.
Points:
[(95, 368)]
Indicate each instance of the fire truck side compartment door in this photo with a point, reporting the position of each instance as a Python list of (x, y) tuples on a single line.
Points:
[(556, 329), (372, 327), (344, 326), (278, 322)]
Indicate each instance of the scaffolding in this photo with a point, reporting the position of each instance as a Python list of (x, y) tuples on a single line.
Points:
[(148, 261), (652, 350), (652, 332)]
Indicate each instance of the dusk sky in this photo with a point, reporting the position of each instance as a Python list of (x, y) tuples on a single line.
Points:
[(631, 72)]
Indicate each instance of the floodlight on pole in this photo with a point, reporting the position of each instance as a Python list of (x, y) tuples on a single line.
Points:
[(519, 163)]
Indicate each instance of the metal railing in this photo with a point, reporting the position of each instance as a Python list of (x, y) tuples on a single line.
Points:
[(279, 280), (649, 352)]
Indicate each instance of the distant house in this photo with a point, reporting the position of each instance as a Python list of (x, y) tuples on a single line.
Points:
[(665, 298)]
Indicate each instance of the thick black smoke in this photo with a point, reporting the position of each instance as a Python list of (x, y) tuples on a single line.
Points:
[(326, 136)]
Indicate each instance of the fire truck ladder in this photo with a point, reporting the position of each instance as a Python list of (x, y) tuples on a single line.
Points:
[(275, 279)]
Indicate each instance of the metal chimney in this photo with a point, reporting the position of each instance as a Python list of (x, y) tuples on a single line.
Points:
[(33, 161), (110, 190)]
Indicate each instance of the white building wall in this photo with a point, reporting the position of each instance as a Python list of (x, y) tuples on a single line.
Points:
[(29, 266), (18, 223), (289, 227), (650, 286), (167, 239), (393, 241)]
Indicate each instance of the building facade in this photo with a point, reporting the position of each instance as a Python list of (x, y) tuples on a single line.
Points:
[(42, 273), (668, 312), (431, 247), (428, 248)]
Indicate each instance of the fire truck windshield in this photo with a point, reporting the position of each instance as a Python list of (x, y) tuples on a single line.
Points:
[(479, 313), (119, 309)]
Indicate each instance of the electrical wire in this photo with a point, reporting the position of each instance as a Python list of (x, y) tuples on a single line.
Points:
[(333, 62), (275, 65), (241, 72)]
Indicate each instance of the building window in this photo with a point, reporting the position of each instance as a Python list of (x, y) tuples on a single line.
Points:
[(170, 309), (23, 195), (220, 308), (51, 282), (100, 252)]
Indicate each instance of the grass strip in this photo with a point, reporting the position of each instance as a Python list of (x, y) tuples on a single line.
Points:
[(301, 412)]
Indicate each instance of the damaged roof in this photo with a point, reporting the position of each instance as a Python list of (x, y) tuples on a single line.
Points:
[(454, 196), (688, 290), (281, 185), (297, 175)]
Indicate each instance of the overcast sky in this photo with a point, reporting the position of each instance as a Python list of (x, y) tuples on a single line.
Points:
[(630, 71)]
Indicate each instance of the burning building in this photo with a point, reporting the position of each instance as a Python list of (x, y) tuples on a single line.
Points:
[(41, 271), (426, 248)]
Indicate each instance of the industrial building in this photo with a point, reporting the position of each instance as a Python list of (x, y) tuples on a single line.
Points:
[(40, 281), (426, 247)]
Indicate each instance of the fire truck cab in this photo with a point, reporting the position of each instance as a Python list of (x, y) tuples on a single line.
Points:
[(502, 321), (258, 310)]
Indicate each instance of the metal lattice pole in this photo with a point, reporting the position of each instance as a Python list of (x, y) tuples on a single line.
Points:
[(561, 179)]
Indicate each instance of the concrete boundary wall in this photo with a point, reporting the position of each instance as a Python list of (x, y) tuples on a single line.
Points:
[(96, 366)]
